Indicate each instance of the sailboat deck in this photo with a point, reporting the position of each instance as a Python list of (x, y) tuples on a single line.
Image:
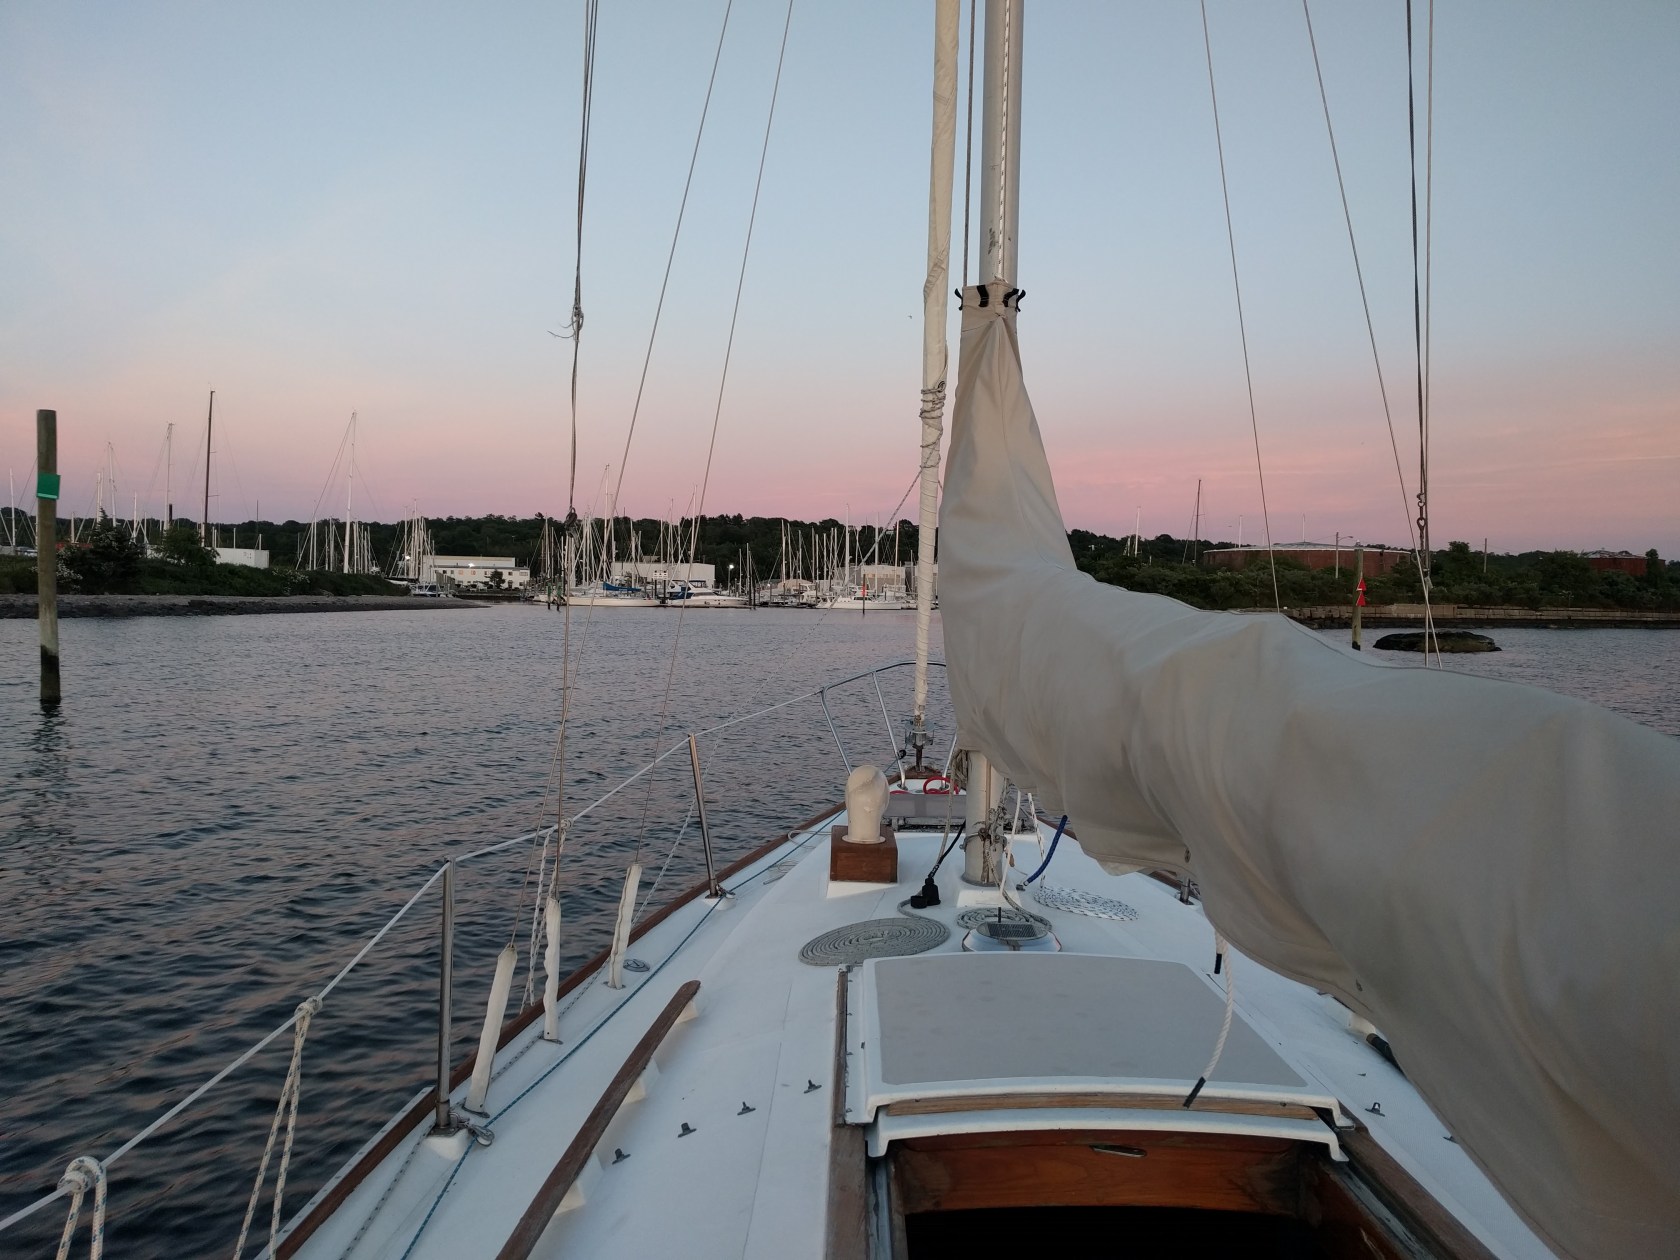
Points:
[(724, 1146)]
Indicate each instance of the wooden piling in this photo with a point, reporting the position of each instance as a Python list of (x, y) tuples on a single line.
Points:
[(46, 550), (1358, 592)]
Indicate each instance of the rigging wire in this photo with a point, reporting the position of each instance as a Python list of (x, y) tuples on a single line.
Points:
[(671, 257), (1417, 308), (591, 10), (568, 668), (717, 410), (1420, 318), (1370, 326), (1242, 327)]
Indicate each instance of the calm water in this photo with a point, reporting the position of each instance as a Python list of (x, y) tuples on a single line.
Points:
[(226, 807)]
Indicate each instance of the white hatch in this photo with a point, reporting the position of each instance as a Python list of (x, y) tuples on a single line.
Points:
[(942, 1043)]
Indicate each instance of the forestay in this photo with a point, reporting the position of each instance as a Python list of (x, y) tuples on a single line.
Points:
[(1486, 871)]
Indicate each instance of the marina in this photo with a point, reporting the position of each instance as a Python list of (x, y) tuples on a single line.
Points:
[(1052, 912)]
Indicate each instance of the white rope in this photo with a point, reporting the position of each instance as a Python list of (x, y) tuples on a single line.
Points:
[(1222, 959), (287, 1109), (83, 1171)]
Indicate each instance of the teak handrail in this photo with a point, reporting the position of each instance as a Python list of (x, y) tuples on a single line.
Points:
[(553, 1190)]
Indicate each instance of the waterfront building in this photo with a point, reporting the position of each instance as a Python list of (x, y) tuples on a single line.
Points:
[(476, 572), (1379, 558)]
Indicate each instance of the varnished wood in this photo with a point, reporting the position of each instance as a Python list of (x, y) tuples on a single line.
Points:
[(863, 862), (380, 1150), (1409, 1201), (1342, 1224), (1130, 1102), (846, 1233), (1213, 1172), (549, 1195)]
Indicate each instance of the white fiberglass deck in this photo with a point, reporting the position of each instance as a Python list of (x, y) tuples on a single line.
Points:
[(752, 1076)]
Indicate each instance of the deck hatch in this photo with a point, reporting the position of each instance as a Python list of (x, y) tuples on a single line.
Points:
[(1058, 1031)]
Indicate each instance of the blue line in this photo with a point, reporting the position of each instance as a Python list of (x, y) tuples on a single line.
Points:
[(1054, 841)]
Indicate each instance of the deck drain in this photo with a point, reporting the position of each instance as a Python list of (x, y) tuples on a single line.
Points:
[(874, 938), (1078, 901)]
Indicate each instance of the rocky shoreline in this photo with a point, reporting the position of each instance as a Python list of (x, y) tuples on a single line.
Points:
[(20, 606)]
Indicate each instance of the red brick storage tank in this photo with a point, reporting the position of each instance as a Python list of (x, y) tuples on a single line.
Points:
[(1378, 559), (1616, 562)]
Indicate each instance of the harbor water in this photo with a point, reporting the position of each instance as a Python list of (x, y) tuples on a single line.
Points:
[(225, 808)]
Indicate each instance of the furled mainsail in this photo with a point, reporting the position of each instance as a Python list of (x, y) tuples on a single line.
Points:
[(1488, 872)]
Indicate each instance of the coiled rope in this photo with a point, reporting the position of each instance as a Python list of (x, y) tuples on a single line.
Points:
[(84, 1171), (286, 1108)]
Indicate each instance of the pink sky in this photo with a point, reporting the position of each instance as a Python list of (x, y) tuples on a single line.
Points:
[(189, 209)]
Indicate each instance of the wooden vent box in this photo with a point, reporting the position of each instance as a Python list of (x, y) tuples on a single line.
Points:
[(852, 862)]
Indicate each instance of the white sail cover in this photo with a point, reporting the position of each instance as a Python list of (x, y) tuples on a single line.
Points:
[(1488, 872)]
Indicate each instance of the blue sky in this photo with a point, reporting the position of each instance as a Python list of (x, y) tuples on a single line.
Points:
[(321, 208)]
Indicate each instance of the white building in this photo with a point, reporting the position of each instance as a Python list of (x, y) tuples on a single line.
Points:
[(250, 557), (658, 571), (476, 572), (893, 577)]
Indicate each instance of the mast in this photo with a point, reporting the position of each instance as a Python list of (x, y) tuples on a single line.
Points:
[(1000, 142), (349, 497), (1000, 195), (169, 477), (204, 522)]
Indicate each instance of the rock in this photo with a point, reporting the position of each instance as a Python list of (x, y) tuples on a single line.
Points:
[(1447, 641)]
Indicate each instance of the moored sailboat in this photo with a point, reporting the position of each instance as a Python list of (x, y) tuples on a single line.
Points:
[(822, 1052)]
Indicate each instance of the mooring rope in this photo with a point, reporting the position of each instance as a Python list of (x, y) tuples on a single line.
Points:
[(286, 1109), (84, 1171)]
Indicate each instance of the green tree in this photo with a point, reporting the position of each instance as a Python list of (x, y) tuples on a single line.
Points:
[(181, 546), (105, 559)]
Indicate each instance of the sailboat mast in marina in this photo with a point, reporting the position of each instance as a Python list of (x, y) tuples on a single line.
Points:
[(209, 424), (1195, 934)]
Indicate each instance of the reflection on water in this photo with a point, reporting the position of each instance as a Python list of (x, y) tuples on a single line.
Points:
[(225, 807), (1634, 672)]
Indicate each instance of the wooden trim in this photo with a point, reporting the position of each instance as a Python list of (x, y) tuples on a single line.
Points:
[(1218, 1172), (376, 1155), (549, 1195), (1128, 1102), (1400, 1192), (846, 1230)]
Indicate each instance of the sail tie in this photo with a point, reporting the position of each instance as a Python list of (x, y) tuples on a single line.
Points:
[(1222, 962)]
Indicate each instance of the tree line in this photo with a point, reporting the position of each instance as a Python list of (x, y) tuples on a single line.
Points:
[(105, 558)]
